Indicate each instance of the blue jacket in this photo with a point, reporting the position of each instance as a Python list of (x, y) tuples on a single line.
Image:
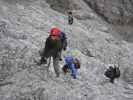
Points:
[(72, 66)]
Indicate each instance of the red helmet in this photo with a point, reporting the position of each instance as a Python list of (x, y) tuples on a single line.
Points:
[(55, 32)]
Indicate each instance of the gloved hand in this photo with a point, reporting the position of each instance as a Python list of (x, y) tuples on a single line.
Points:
[(44, 61), (64, 48)]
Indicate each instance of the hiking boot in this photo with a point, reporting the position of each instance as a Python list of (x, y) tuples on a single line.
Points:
[(39, 63), (60, 59), (42, 61), (64, 49), (74, 77)]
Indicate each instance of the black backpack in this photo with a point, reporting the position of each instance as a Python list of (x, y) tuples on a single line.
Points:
[(112, 72), (109, 72)]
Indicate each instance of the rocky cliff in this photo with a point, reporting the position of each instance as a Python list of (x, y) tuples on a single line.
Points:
[(24, 26), (118, 13), (113, 11)]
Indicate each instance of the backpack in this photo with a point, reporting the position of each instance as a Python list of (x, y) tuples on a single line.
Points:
[(109, 72), (112, 72), (77, 63), (63, 40), (62, 36), (65, 68)]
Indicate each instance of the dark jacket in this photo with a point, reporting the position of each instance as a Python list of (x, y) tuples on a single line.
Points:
[(52, 47)]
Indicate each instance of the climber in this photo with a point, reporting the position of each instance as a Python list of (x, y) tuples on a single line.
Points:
[(72, 62), (112, 73), (70, 18), (52, 49)]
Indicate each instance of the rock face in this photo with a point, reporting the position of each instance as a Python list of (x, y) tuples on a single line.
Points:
[(113, 11), (118, 13), (24, 27), (59, 5)]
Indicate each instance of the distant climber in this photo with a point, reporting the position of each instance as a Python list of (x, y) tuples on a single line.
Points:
[(112, 73), (70, 18), (52, 49), (72, 63), (3, 26)]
